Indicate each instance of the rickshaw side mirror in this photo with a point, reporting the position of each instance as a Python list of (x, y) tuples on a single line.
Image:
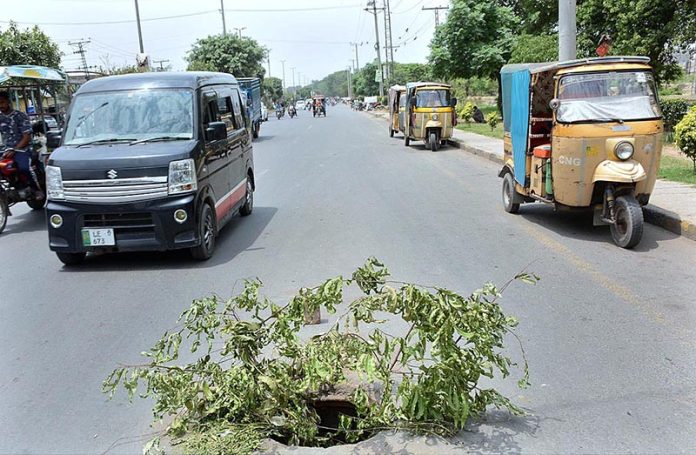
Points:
[(554, 104), (453, 102)]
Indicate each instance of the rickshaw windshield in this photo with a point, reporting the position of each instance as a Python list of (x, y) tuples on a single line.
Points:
[(432, 98), (130, 115), (601, 97)]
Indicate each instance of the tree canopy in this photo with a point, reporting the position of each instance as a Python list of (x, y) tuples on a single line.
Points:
[(27, 47), (242, 57), (272, 89)]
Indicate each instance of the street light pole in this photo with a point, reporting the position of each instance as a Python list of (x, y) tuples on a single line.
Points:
[(293, 81), (282, 62), (222, 11), (567, 30), (140, 32), (239, 31)]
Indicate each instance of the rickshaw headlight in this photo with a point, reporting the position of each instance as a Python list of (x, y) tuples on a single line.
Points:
[(434, 117), (624, 150)]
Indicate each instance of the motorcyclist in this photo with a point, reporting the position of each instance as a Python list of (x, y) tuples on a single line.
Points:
[(16, 130)]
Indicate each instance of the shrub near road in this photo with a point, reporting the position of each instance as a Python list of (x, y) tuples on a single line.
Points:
[(258, 377)]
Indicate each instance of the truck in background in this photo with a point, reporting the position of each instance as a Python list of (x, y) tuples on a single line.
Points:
[(252, 88)]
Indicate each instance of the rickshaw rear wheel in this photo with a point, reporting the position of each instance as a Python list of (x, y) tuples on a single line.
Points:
[(407, 140), (391, 132), (509, 194), (627, 229)]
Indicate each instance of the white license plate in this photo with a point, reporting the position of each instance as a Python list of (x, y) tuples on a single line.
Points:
[(98, 237)]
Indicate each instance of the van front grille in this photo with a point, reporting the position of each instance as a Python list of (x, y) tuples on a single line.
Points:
[(136, 220), (115, 191)]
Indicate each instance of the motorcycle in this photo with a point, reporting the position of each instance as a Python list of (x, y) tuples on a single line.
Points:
[(292, 112), (16, 188), (280, 112)]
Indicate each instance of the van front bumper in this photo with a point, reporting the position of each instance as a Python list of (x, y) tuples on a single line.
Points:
[(138, 226)]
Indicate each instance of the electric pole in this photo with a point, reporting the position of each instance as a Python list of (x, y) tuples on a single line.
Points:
[(268, 57), (388, 48), (80, 44), (160, 62), (293, 82), (357, 62), (437, 12), (282, 62), (239, 31), (373, 4), (350, 83), (140, 32), (222, 11), (567, 30)]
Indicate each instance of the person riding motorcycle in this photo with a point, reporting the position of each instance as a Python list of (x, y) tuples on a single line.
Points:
[(16, 130), (291, 110)]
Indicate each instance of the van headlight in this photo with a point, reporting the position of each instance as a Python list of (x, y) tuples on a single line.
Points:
[(54, 183), (624, 150), (182, 176)]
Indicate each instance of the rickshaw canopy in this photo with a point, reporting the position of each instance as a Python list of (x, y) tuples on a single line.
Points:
[(30, 72)]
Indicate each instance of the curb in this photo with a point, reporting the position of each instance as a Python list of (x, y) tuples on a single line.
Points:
[(652, 214)]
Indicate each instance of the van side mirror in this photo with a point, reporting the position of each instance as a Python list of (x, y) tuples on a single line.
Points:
[(554, 104), (453, 102), (216, 131)]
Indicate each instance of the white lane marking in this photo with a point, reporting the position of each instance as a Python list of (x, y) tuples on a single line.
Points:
[(262, 173), (309, 127)]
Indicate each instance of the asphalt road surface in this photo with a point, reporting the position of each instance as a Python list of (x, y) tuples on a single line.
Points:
[(610, 334)]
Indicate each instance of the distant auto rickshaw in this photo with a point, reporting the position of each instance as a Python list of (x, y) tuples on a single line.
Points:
[(583, 134), (429, 114), (397, 107), (318, 105)]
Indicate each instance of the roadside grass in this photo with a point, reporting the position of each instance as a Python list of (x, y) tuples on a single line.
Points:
[(677, 170), (482, 129)]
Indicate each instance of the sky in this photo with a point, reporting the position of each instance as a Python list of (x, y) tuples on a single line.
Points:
[(311, 36)]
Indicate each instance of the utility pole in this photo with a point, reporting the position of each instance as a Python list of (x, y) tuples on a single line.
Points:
[(373, 4), (140, 32), (567, 30), (239, 31), (160, 62), (437, 12), (293, 82), (222, 11), (282, 62), (80, 44), (388, 47), (357, 62), (268, 57), (350, 83)]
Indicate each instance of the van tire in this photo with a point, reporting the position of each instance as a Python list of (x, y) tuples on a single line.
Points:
[(509, 194), (4, 213), (71, 258), (206, 232), (391, 132), (248, 207), (256, 129), (627, 229)]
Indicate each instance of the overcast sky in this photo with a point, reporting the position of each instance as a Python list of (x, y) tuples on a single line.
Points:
[(315, 41)]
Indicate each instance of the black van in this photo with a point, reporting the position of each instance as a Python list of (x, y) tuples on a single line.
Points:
[(153, 161)]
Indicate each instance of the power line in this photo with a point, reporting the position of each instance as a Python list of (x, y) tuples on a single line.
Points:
[(409, 9)]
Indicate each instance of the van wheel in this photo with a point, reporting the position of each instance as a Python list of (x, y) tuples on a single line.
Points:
[(627, 229), (433, 141), (4, 213), (71, 258), (248, 206), (206, 231), (391, 132), (36, 204), (257, 128), (509, 194)]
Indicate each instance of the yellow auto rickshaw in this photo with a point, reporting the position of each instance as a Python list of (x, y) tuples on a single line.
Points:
[(397, 106), (429, 114), (583, 134)]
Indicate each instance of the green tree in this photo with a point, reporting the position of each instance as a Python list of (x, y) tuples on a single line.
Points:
[(242, 57), (535, 16), (655, 28), (272, 88), (410, 72), (685, 135), (534, 49), (27, 47), (475, 40), (364, 83)]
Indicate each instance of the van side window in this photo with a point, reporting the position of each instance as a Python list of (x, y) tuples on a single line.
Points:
[(224, 102), (238, 112)]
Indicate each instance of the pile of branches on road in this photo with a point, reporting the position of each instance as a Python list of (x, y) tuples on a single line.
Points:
[(257, 376)]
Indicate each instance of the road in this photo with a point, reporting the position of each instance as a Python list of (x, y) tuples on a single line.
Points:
[(610, 334)]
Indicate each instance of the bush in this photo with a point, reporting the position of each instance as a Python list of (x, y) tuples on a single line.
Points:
[(467, 112), (259, 376), (685, 135), (383, 100), (672, 112), (493, 119)]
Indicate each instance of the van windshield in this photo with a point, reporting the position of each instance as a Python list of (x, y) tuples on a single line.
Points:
[(626, 95), (130, 115), (432, 98)]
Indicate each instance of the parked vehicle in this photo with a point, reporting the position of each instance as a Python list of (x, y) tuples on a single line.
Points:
[(151, 161), (252, 89), (397, 107), (16, 188), (264, 113), (429, 114), (583, 134)]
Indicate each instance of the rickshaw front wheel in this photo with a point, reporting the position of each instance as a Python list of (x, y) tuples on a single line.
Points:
[(627, 229), (434, 141), (509, 194)]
